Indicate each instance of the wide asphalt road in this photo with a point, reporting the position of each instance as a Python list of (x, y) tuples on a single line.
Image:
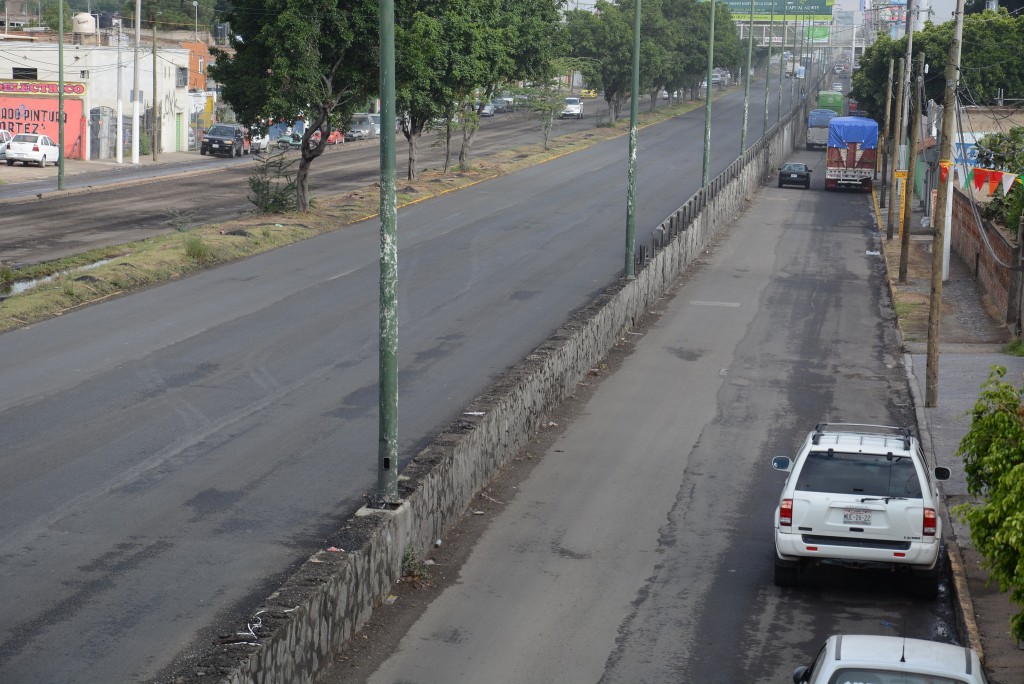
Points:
[(640, 547), (169, 456)]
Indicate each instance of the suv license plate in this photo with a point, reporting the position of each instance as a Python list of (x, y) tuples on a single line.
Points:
[(856, 517), (792, 175)]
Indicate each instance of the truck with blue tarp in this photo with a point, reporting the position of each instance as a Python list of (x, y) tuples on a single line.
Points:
[(851, 153), (817, 128)]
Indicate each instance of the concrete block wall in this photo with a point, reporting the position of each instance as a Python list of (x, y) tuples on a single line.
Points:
[(293, 635), (967, 242)]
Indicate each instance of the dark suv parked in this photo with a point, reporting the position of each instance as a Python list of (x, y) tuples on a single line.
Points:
[(227, 139)]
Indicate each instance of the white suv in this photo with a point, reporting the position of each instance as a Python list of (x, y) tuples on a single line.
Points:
[(573, 107), (859, 496)]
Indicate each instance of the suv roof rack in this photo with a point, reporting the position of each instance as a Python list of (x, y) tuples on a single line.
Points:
[(819, 429)]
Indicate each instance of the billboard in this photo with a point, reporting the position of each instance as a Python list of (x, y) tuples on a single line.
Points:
[(815, 10)]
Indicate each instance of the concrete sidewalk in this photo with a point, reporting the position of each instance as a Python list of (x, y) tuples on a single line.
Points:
[(971, 342)]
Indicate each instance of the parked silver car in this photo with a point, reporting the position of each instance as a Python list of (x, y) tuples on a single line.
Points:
[(361, 127)]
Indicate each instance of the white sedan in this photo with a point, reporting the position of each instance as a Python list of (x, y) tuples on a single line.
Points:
[(32, 147)]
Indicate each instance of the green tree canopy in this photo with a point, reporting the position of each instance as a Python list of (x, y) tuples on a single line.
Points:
[(993, 453), (294, 59), (991, 59)]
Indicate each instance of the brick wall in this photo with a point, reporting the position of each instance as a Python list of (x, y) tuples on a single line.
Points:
[(968, 240)]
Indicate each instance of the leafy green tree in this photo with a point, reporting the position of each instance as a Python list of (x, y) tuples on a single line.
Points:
[(991, 60), (293, 59), (521, 39), (993, 452), (604, 38), (50, 15)]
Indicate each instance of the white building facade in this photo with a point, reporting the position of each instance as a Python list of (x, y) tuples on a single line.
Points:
[(97, 85)]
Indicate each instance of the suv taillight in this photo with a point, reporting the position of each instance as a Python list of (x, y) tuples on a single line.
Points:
[(930, 522), (786, 514)]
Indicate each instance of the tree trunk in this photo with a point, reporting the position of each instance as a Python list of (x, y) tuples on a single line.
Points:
[(468, 134), (302, 185), (411, 137), (611, 113), (654, 99), (447, 146)]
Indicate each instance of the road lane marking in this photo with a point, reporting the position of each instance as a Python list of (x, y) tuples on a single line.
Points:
[(728, 305)]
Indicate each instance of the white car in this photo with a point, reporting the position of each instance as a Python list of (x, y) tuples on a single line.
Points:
[(259, 143), (859, 496), (573, 107), (5, 137), (891, 659), (31, 147), (837, 87)]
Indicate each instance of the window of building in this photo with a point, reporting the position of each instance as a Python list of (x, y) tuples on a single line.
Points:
[(25, 74), (182, 78)]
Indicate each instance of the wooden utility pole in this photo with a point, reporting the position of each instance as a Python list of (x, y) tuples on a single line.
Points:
[(895, 152), (913, 125), (885, 134), (931, 391)]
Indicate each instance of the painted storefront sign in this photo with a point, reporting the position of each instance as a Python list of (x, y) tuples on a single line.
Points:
[(33, 107)]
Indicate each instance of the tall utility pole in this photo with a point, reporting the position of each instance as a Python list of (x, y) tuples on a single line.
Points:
[(120, 106), (885, 134), (707, 110), (781, 52), (913, 125), (387, 437), (895, 152), (746, 88), (135, 83), (768, 70), (795, 56), (905, 84), (931, 391), (60, 94), (634, 115), (156, 108)]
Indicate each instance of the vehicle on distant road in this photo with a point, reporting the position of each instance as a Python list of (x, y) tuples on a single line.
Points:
[(860, 496), (837, 87), (817, 128), (487, 109), (875, 659), (587, 92), (360, 127), (795, 173), (231, 140), (499, 104), (828, 99), (32, 148), (259, 143), (573, 108)]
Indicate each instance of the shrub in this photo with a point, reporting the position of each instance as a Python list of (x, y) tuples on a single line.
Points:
[(196, 249), (272, 188)]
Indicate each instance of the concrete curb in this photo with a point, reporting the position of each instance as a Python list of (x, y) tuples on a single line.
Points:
[(964, 604)]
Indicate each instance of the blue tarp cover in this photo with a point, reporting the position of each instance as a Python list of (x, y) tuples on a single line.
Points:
[(848, 129)]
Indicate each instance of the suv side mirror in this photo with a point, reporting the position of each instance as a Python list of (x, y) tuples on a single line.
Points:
[(784, 463), (941, 473), (800, 674), (809, 170)]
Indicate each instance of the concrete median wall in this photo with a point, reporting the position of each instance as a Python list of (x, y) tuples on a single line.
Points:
[(292, 637)]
